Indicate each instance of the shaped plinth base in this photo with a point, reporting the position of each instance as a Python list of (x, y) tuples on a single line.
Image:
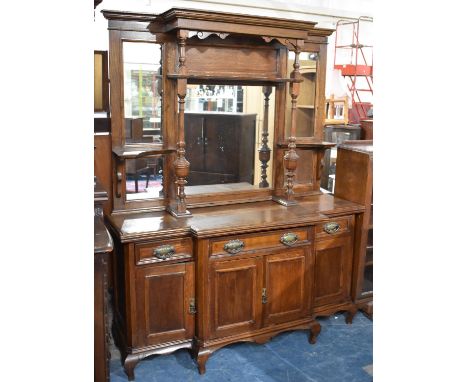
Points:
[(284, 202), (174, 212)]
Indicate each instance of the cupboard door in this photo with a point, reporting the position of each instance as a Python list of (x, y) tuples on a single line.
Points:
[(163, 296), (235, 296), (287, 289), (333, 267)]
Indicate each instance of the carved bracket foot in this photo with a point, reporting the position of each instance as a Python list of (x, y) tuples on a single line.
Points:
[(350, 315), (202, 356), (315, 329), (129, 365)]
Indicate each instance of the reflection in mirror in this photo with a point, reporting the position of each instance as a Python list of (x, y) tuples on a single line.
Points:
[(225, 126), (142, 92), (306, 100), (144, 178)]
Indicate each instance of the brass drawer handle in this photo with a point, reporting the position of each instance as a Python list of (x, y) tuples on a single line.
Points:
[(234, 246), (289, 238), (164, 252), (331, 227)]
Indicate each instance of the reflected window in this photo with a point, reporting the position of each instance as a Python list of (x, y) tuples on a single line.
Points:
[(144, 178), (142, 92)]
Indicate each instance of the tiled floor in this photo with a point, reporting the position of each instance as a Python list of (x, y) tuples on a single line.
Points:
[(341, 353)]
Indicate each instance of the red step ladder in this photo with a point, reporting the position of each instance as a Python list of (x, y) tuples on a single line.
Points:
[(355, 61)]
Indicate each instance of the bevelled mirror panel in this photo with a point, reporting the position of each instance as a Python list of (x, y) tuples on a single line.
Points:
[(142, 92), (225, 128), (144, 178), (306, 101)]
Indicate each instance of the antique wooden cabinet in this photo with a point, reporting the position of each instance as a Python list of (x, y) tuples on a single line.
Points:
[(354, 182), (202, 264)]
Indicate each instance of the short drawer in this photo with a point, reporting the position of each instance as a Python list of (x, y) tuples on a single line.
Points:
[(163, 251), (263, 240), (333, 227)]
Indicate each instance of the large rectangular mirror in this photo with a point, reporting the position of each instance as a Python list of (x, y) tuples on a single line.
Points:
[(142, 92), (225, 127)]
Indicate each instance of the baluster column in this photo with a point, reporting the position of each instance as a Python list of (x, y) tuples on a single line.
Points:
[(181, 164), (264, 153)]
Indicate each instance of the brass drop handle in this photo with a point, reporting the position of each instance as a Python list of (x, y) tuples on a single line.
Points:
[(289, 238), (164, 252), (331, 227), (234, 246)]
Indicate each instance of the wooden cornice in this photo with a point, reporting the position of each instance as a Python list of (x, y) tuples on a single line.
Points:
[(232, 23), (236, 18), (130, 16)]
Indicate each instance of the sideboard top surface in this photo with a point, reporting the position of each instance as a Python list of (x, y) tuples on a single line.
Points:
[(231, 219)]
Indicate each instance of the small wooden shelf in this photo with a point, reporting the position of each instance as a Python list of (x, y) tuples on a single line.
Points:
[(139, 151), (228, 78), (306, 107)]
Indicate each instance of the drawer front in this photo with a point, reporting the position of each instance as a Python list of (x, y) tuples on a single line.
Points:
[(333, 227), (163, 251), (240, 244)]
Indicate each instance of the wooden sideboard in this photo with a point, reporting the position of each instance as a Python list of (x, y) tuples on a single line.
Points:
[(204, 266), (228, 274)]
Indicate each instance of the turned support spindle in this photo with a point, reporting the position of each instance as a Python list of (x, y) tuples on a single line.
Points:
[(181, 164), (264, 152)]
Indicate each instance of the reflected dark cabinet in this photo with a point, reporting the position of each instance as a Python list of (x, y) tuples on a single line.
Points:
[(354, 182), (213, 157)]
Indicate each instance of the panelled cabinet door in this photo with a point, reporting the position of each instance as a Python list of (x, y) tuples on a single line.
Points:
[(235, 296), (287, 291), (333, 267), (163, 297)]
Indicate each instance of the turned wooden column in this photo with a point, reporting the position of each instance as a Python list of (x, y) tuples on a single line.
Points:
[(264, 152), (290, 158), (181, 164)]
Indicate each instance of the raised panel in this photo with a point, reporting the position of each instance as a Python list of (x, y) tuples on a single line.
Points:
[(235, 300), (246, 62), (162, 301), (158, 317), (333, 270), (286, 276)]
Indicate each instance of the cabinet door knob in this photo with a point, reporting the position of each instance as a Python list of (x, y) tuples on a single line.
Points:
[(234, 246), (331, 227), (289, 238), (164, 252)]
